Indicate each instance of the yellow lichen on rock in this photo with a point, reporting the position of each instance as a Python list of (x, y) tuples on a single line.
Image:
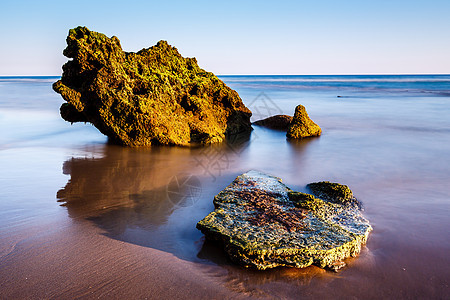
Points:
[(263, 224), (302, 126), (154, 96)]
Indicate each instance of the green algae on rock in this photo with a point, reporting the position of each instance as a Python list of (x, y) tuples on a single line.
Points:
[(302, 126), (154, 96), (263, 224), (278, 122), (332, 192)]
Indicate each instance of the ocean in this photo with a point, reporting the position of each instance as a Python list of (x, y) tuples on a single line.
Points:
[(83, 218)]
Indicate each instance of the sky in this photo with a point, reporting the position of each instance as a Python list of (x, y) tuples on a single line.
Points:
[(240, 37)]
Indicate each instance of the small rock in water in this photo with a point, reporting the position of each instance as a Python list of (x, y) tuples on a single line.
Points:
[(302, 126), (278, 122), (263, 224)]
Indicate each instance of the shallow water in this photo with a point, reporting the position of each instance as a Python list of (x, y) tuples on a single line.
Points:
[(82, 218)]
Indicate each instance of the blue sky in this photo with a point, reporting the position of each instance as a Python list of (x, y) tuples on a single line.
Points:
[(241, 37)]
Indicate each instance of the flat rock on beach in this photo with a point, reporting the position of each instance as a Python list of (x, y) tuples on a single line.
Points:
[(263, 224)]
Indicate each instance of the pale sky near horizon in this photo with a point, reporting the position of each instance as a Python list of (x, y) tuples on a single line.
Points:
[(241, 37)]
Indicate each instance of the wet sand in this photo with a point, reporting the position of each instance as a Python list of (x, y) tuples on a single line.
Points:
[(78, 261)]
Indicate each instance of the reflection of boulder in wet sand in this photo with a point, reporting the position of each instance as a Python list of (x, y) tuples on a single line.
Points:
[(132, 183), (149, 208), (278, 122), (302, 126), (263, 224), (183, 189), (153, 96)]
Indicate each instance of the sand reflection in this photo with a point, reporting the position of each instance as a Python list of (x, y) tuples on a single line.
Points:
[(132, 194)]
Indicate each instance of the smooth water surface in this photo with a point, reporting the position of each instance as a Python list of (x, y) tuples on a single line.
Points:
[(82, 218)]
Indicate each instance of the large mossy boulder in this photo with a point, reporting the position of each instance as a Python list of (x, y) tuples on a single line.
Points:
[(302, 126), (154, 96), (263, 224)]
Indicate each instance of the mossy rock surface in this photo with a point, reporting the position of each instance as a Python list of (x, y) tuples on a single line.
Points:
[(278, 122), (154, 96), (331, 191), (302, 126), (263, 224)]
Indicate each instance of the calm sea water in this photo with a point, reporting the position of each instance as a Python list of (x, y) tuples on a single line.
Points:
[(387, 137)]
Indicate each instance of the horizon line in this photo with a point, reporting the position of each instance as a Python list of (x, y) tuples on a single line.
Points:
[(330, 74)]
